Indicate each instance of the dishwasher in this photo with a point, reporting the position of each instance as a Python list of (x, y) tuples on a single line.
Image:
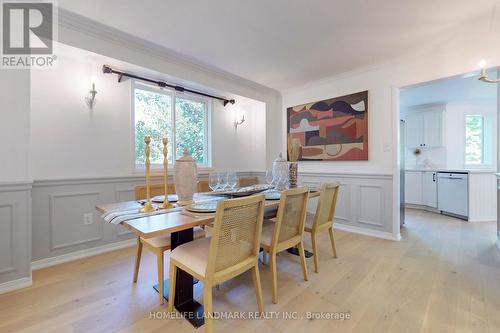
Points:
[(453, 194)]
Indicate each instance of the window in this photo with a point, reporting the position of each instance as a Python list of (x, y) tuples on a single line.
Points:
[(184, 119), (474, 139)]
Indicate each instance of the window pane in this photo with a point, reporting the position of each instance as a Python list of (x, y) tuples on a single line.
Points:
[(474, 139), (153, 117), (190, 127)]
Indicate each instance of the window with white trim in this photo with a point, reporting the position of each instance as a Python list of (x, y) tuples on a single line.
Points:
[(183, 118), (474, 140)]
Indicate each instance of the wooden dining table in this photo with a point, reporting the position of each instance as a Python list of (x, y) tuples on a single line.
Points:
[(179, 225)]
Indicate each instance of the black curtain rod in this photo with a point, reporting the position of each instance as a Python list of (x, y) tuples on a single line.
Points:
[(108, 70)]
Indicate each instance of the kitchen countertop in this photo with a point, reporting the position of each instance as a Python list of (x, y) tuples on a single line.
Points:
[(415, 169)]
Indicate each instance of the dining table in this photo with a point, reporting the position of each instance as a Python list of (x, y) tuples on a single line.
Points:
[(180, 225)]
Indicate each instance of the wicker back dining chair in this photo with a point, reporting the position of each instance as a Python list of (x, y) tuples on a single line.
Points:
[(323, 218), (232, 250), (140, 191), (287, 231), (157, 245)]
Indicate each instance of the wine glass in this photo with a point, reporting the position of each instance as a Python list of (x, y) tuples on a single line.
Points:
[(232, 180), (222, 180), (269, 177), (213, 181)]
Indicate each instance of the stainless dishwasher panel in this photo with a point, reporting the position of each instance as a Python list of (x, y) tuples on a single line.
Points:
[(453, 193)]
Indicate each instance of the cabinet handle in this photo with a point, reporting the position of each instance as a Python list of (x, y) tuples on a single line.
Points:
[(434, 177)]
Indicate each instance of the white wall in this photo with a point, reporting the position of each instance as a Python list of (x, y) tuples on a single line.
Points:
[(70, 141), (14, 125), (93, 36)]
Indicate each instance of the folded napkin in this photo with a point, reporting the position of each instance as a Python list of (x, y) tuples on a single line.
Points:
[(118, 216)]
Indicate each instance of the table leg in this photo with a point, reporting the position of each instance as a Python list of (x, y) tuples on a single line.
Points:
[(184, 301)]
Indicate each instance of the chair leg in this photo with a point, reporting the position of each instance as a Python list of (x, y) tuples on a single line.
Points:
[(303, 260), (207, 304), (159, 258), (332, 240), (172, 277), (315, 252), (258, 287), (138, 254), (274, 276)]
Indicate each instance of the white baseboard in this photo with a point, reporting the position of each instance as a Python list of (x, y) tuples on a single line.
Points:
[(15, 284), (367, 232), (483, 219), (423, 207), (48, 262)]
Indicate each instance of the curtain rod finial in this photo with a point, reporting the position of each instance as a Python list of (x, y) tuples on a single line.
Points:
[(106, 69)]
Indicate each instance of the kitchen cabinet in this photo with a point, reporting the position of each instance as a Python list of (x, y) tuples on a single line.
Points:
[(413, 187), (424, 129), (429, 189)]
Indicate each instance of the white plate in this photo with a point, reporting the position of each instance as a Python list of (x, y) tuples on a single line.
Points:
[(272, 195), (203, 207)]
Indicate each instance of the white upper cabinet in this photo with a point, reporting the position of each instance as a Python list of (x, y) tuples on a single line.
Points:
[(414, 130), (433, 129), (424, 129)]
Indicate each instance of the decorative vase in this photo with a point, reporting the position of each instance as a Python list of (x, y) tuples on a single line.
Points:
[(185, 178), (292, 173)]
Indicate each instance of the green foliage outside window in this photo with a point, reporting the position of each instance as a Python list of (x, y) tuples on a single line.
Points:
[(474, 134), (154, 117)]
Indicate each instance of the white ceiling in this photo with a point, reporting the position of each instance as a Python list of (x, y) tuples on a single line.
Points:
[(459, 88), (287, 43)]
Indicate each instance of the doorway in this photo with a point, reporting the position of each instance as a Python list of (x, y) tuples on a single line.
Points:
[(448, 148)]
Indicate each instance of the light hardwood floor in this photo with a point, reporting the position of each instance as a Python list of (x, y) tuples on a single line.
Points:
[(444, 276)]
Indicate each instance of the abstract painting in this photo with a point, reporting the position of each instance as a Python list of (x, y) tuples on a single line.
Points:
[(334, 129)]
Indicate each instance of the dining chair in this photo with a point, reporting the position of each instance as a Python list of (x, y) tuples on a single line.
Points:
[(232, 250), (202, 186), (157, 245), (155, 189), (323, 218), (247, 181), (287, 231)]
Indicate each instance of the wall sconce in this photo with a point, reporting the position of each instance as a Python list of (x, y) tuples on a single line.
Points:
[(484, 76), (90, 98), (239, 118)]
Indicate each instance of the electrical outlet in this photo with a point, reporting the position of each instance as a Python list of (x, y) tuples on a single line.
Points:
[(88, 218)]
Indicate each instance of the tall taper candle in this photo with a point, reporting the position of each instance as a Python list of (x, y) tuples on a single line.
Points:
[(166, 204), (148, 207)]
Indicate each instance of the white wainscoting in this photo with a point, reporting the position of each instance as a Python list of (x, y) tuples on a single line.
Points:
[(364, 204), (59, 232), (482, 197), (58, 216), (15, 235)]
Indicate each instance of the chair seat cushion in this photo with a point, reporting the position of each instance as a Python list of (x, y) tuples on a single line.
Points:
[(267, 233), (164, 240), (193, 255), (309, 222)]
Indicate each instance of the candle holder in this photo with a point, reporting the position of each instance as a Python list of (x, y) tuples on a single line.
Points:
[(165, 204), (148, 206)]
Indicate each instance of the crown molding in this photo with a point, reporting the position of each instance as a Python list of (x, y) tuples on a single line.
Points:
[(76, 22)]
